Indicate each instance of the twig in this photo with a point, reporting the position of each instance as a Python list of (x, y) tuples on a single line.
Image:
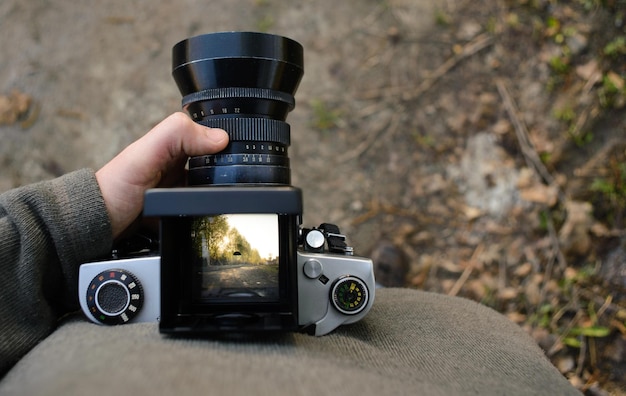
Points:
[(501, 275), (372, 139), (467, 271), (557, 255), (530, 154), (548, 271), (587, 113), (534, 162), (377, 208), (580, 364), (588, 169), (617, 324), (479, 43), (606, 304), (558, 343)]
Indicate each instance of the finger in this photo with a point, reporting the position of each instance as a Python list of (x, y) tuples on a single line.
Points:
[(161, 153), (184, 138), (167, 146)]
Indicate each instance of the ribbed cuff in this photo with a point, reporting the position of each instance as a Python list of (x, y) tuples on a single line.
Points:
[(82, 231)]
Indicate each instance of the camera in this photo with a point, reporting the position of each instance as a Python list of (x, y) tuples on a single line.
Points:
[(233, 256)]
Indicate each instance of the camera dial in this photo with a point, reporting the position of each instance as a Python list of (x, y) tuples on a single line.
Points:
[(114, 296), (315, 240), (349, 295)]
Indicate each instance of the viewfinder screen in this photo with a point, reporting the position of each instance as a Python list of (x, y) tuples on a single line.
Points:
[(235, 257)]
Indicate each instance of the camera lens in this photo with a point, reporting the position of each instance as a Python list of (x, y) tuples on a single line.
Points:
[(244, 83)]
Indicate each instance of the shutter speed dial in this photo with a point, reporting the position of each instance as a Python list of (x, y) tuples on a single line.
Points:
[(114, 296), (349, 295)]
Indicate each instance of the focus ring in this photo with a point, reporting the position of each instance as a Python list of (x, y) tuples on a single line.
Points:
[(239, 92), (252, 129)]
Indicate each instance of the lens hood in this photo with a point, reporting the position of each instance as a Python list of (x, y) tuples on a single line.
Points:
[(237, 59)]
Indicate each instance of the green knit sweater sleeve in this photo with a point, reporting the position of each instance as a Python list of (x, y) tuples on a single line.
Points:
[(47, 230)]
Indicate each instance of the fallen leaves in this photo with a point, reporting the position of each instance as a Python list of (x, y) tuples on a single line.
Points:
[(575, 234), (17, 107)]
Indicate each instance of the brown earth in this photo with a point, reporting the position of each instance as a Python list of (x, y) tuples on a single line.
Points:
[(479, 145)]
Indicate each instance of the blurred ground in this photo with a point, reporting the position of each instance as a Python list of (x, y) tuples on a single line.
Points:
[(472, 148)]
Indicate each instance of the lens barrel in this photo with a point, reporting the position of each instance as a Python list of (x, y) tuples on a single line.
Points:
[(244, 83)]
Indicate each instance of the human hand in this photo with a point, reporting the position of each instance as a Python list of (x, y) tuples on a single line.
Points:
[(155, 160)]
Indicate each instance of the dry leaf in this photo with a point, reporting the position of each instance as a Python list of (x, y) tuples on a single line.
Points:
[(14, 107), (574, 236), (541, 194)]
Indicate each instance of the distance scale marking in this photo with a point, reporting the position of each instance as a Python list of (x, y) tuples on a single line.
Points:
[(244, 153), (114, 296), (349, 295), (212, 111)]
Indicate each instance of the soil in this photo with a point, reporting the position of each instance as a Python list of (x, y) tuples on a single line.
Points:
[(471, 148)]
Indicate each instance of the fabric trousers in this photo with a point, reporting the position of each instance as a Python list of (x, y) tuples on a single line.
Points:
[(411, 342)]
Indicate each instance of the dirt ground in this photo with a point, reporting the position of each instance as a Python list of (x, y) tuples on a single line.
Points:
[(471, 148)]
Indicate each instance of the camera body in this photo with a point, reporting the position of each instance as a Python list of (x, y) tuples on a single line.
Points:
[(233, 257), (121, 291), (245, 265)]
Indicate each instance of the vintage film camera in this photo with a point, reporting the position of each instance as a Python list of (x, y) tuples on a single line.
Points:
[(233, 255)]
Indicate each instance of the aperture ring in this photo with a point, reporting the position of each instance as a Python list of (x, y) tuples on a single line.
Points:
[(252, 129), (239, 92), (239, 174)]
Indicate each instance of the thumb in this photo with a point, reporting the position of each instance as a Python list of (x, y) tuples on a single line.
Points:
[(182, 137), (157, 157), (167, 146)]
